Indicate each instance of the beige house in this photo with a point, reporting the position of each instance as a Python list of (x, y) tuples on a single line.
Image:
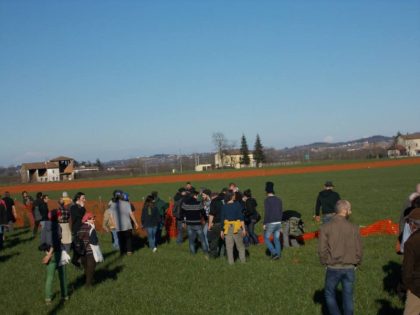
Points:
[(411, 143), (57, 169), (232, 159)]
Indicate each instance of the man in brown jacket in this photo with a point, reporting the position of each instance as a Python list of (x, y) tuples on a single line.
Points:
[(411, 265), (340, 250)]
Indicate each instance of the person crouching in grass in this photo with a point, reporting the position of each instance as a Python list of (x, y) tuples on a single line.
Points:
[(234, 226), (150, 219)]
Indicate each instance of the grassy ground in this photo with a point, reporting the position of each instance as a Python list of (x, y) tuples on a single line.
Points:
[(172, 281)]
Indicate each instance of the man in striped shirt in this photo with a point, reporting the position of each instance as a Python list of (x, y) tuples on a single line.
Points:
[(192, 212)]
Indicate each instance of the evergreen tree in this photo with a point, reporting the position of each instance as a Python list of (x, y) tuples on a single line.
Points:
[(244, 151), (259, 156)]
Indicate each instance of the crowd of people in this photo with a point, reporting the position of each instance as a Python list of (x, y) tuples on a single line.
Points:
[(221, 224)]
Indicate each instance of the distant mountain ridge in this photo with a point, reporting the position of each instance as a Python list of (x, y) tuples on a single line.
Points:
[(377, 139)]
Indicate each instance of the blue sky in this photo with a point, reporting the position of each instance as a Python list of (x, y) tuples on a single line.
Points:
[(119, 79)]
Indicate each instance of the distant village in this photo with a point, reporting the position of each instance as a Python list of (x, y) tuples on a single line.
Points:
[(63, 168)]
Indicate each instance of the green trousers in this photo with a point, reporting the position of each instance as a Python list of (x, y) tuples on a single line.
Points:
[(51, 268)]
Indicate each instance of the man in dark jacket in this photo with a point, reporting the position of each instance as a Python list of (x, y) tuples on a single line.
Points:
[(3, 220), (77, 211), (273, 213), (193, 212), (411, 266), (326, 200), (215, 224), (11, 210), (162, 206)]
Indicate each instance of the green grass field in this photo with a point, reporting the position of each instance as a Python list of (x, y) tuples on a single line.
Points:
[(172, 281)]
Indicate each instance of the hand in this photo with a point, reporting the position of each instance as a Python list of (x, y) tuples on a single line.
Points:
[(222, 235), (264, 227), (136, 226), (46, 259), (244, 233), (317, 218)]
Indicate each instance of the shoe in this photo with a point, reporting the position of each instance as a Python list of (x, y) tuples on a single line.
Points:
[(155, 250), (47, 301), (275, 257), (66, 298)]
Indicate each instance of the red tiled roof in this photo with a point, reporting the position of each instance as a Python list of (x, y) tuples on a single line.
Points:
[(39, 165)]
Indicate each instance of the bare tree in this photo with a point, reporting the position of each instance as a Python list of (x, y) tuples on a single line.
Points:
[(221, 144)]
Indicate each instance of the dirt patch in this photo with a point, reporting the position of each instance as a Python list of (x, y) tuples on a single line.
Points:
[(75, 185)]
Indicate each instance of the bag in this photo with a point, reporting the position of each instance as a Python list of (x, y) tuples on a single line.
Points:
[(64, 259), (97, 253), (295, 227)]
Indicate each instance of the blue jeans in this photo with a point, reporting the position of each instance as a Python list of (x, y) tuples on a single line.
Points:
[(194, 231), (180, 237), (327, 217), (115, 243), (151, 236), (273, 229), (205, 230), (332, 278)]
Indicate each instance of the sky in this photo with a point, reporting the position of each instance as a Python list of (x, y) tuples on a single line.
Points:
[(121, 79)]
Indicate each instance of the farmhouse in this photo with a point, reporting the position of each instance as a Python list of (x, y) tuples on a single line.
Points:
[(406, 145), (232, 158), (57, 169)]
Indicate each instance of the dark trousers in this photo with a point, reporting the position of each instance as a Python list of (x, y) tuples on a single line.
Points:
[(253, 238), (35, 230), (215, 242), (89, 264), (125, 239)]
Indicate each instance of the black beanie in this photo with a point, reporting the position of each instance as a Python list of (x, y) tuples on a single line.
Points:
[(269, 187)]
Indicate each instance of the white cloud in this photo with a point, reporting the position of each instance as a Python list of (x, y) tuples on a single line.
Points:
[(329, 139)]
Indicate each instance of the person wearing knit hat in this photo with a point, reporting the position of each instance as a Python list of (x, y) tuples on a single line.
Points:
[(273, 212), (87, 234), (410, 265)]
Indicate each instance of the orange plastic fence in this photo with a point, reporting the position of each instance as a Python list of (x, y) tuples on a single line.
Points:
[(98, 207)]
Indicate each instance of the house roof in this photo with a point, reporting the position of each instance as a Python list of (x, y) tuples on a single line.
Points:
[(235, 152), (412, 136), (61, 158), (39, 165)]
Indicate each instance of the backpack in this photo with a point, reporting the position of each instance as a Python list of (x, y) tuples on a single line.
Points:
[(295, 227)]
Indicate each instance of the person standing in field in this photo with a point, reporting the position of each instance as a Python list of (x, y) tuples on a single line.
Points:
[(43, 210), (251, 215), (273, 213), (123, 216), (193, 212), (51, 244), (206, 201), (340, 250), (64, 220), (150, 219), (108, 225), (326, 201), (36, 213), (179, 198), (77, 211), (215, 224), (11, 210), (411, 265), (3, 221), (27, 202), (162, 206), (233, 230), (87, 234)]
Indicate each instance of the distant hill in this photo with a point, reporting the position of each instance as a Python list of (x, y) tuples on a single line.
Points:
[(373, 140)]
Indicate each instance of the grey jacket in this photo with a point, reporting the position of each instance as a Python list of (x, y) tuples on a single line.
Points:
[(340, 243)]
